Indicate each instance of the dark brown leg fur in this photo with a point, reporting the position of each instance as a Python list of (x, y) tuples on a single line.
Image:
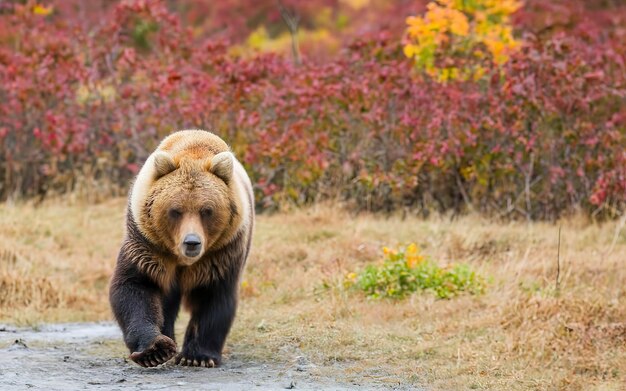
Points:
[(212, 312), (171, 306), (138, 306)]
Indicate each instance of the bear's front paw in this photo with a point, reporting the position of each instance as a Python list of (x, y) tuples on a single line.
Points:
[(190, 359), (160, 351)]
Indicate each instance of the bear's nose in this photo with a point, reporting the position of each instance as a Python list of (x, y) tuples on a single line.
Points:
[(192, 244), (192, 240)]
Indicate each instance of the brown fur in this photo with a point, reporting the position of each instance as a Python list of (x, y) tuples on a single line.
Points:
[(189, 191), (190, 188)]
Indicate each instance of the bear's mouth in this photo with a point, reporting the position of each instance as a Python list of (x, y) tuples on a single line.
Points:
[(192, 253), (189, 259)]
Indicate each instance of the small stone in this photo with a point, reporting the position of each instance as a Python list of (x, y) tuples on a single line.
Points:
[(18, 344), (261, 326), (303, 364)]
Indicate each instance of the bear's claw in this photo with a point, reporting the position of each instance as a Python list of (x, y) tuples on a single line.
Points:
[(189, 362), (162, 350)]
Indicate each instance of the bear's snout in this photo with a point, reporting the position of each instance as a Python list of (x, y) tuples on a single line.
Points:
[(192, 245)]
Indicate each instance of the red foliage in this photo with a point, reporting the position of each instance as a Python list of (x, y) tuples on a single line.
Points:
[(542, 137)]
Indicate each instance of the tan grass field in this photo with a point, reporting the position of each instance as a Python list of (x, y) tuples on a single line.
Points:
[(55, 262)]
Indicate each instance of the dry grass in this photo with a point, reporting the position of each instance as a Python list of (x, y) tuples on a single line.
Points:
[(521, 334)]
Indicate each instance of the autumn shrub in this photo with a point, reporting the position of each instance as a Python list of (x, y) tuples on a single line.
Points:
[(536, 136), (456, 37), (406, 271)]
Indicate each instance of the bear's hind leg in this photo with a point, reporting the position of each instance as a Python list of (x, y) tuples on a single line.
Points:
[(212, 313)]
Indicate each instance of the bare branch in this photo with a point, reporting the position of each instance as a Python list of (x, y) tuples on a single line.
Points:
[(292, 20), (558, 264)]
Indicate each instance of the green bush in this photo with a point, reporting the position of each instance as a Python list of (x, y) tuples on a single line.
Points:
[(405, 272)]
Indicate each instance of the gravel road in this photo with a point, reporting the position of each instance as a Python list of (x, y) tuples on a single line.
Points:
[(89, 356)]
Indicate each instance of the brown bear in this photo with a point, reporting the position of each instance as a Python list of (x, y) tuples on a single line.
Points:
[(188, 233)]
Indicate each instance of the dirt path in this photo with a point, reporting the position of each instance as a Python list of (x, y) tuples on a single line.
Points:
[(88, 356)]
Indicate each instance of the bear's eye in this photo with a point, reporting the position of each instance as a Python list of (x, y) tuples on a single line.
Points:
[(206, 212), (175, 213)]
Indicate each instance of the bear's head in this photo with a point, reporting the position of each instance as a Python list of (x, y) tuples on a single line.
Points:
[(186, 205)]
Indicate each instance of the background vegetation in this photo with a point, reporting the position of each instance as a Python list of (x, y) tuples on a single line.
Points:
[(508, 108)]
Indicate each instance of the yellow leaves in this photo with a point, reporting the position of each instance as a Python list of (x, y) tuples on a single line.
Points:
[(500, 43), (356, 4), (258, 38), (39, 9), (417, 26), (412, 256), (414, 21), (410, 50), (438, 21), (479, 72), (350, 280), (411, 262), (459, 24), (503, 7), (446, 74), (496, 48), (457, 30), (96, 93), (388, 251), (411, 249), (261, 40), (468, 172)]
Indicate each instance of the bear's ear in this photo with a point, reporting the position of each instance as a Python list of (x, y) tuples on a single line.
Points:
[(222, 166), (163, 164)]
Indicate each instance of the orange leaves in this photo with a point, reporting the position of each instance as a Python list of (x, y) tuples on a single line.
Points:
[(413, 256), (461, 32)]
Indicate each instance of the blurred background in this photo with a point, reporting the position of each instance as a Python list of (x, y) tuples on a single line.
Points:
[(509, 108)]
